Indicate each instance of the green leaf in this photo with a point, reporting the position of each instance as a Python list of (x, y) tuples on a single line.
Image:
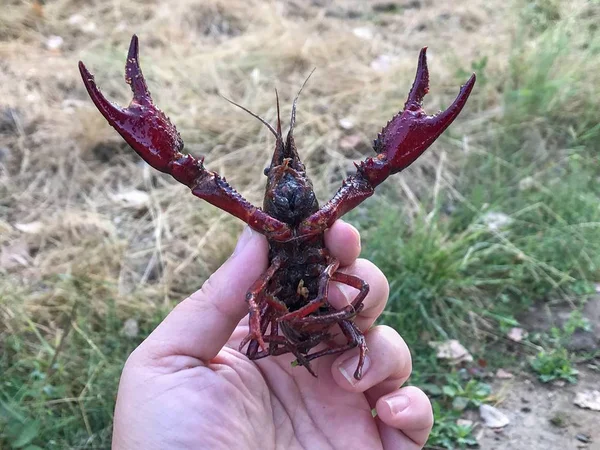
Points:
[(460, 403), (449, 391), (28, 433), (432, 389)]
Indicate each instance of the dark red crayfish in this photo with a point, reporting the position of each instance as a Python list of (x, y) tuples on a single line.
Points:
[(288, 305)]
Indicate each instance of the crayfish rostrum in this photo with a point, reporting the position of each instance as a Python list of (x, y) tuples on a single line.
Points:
[(288, 305)]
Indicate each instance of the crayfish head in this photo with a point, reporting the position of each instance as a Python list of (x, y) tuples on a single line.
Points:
[(289, 196)]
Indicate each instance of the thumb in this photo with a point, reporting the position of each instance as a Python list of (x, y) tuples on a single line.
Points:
[(201, 324)]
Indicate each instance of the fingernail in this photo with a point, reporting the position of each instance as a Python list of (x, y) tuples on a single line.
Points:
[(243, 240), (356, 232), (348, 367), (398, 403)]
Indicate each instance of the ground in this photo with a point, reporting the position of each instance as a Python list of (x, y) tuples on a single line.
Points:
[(544, 417), (495, 228)]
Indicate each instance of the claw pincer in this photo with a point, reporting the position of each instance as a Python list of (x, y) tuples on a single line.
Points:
[(289, 304)]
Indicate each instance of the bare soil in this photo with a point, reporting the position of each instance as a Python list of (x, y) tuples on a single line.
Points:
[(544, 417)]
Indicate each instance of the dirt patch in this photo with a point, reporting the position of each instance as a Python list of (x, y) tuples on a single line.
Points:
[(544, 417)]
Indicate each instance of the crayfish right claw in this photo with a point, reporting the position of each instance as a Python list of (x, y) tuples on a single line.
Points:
[(143, 126), (412, 131)]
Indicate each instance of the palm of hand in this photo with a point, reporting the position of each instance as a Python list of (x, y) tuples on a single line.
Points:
[(186, 387)]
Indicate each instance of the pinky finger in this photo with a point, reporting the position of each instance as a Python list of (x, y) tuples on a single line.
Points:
[(407, 418)]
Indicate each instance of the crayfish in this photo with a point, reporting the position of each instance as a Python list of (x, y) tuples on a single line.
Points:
[(288, 305)]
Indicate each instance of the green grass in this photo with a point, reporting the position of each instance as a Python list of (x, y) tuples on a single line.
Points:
[(451, 275), (61, 394)]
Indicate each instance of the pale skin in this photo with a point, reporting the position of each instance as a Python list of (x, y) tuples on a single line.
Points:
[(187, 387)]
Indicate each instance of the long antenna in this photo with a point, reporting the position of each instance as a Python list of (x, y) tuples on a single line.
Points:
[(293, 118), (256, 116)]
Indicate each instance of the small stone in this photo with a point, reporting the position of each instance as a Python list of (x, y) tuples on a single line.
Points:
[(76, 19), (54, 43), (493, 417), (382, 63), (526, 183), (583, 437), (346, 123), (130, 328), (363, 33), (588, 400), (504, 374), (133, 198), (30, 228), (452, 350), (516, 334), (496, 220)]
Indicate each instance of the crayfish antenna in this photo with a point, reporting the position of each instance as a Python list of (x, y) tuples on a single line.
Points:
[(293, 117), (256, 116), (278, 114)]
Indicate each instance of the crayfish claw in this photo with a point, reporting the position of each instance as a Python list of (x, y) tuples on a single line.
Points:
[(420, 86), (412, 131), (134, 76), (445, 118), (143, 126), (109, 110)]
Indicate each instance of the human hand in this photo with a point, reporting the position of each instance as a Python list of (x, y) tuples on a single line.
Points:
[(187, 387)]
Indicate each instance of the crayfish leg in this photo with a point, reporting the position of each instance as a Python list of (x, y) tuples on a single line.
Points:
[(254, 294), (355, 339)]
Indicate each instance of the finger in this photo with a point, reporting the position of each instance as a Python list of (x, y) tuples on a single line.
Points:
[(388, 360), (343, 241), (341, 295), (201, 324), (408, 416)]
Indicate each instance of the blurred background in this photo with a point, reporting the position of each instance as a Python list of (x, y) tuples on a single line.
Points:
[(490, 241)]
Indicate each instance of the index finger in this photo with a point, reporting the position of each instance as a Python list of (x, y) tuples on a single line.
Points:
[(343, 242)]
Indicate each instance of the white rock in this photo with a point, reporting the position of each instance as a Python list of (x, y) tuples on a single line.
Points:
[(526, 183), (516, 334), (504, 374), (496, 220), (452, 350), (54, 43), (76, 19), (133, 198), (346, 123), (493, 417), (363, 33), (382, 63), (30, 228), (131, 328), (588, 400)]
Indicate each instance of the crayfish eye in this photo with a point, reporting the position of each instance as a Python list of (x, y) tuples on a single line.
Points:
[(266, 171)]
